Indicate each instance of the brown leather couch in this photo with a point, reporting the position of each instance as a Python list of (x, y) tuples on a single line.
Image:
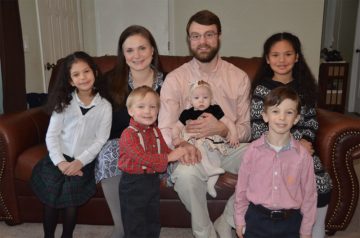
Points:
[(22, 145)]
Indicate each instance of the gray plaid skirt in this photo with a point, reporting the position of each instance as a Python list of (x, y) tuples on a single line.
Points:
[(57, 190)]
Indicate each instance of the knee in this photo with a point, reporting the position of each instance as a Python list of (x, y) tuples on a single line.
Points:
[(188, 179)]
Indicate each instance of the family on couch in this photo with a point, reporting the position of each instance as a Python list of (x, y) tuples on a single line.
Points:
[(138, 65)]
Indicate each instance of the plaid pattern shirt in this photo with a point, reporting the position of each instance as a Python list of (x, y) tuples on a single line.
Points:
[(133, 156)]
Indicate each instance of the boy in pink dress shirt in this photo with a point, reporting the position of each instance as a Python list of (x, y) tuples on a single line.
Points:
[(276, 191)]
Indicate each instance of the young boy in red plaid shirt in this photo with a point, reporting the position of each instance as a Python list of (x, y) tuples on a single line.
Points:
[(143, 155)]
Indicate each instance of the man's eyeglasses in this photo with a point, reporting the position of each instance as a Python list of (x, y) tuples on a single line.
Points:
[(207, 35)]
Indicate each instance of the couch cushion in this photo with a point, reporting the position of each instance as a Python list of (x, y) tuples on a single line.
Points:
[(225, 187), (27, 161)]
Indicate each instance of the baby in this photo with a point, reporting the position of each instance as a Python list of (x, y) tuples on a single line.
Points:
[(200, 99)]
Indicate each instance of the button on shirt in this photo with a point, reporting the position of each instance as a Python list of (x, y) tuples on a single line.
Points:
[(133, 156), (230, 86), (277, 180), (77, 135)]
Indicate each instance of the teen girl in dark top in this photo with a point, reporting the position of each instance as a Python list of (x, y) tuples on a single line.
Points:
[(282, 64)]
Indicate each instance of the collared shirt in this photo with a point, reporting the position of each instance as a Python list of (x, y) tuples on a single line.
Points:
[(230, 86), (133, 156), (77, 135), (277, 180)]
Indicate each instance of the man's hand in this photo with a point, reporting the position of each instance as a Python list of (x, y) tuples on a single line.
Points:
[(206, 125), (305, 236), (192, 154), (176, 154)]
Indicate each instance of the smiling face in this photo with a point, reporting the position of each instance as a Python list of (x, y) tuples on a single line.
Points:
[(201, 98), (144, 110), (82, 77), (206, 45), (282, 58), (281, 117), (138, 52)]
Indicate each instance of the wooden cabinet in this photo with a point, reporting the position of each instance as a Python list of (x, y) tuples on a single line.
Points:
[(332, 86)]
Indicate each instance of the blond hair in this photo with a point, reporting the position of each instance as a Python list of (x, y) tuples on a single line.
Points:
[(198, 84), (139, 93)]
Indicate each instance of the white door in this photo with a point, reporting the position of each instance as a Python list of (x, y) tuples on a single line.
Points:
[(60, 32), (354, 89)]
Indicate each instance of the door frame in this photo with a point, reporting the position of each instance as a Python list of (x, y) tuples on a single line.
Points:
[(354, 85), (42, 62), (45, 84)]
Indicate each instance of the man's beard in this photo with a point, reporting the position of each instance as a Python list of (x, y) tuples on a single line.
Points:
[(206, 57)]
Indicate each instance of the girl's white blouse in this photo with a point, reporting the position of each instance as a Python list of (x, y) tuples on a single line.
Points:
[(77, 135)]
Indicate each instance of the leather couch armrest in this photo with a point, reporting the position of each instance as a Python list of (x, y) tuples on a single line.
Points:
[(18, 131), (22, 130), (338, 143)]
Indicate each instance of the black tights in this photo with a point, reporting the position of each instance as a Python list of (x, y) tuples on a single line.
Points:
[(51, 217)]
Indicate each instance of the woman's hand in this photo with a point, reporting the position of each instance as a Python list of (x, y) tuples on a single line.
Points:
[(206, 125), (307, 145)]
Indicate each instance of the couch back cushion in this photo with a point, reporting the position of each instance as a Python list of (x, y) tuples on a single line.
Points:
[(169, 63)]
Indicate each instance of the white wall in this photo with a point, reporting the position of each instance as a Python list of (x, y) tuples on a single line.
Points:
[(89, 26), (30, 32), (246, 24), (113, 16)]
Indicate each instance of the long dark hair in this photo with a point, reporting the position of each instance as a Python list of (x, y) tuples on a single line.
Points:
[(303, 78), (60, 95), (118, 76)]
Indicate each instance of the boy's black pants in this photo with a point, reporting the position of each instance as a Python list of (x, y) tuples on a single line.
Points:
[(259, 224), (140, 205)]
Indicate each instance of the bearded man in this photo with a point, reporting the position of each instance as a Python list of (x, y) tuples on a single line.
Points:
[(231, 88)]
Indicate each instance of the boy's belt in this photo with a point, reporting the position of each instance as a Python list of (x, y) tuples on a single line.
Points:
[(145, 170), (281, 214)]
